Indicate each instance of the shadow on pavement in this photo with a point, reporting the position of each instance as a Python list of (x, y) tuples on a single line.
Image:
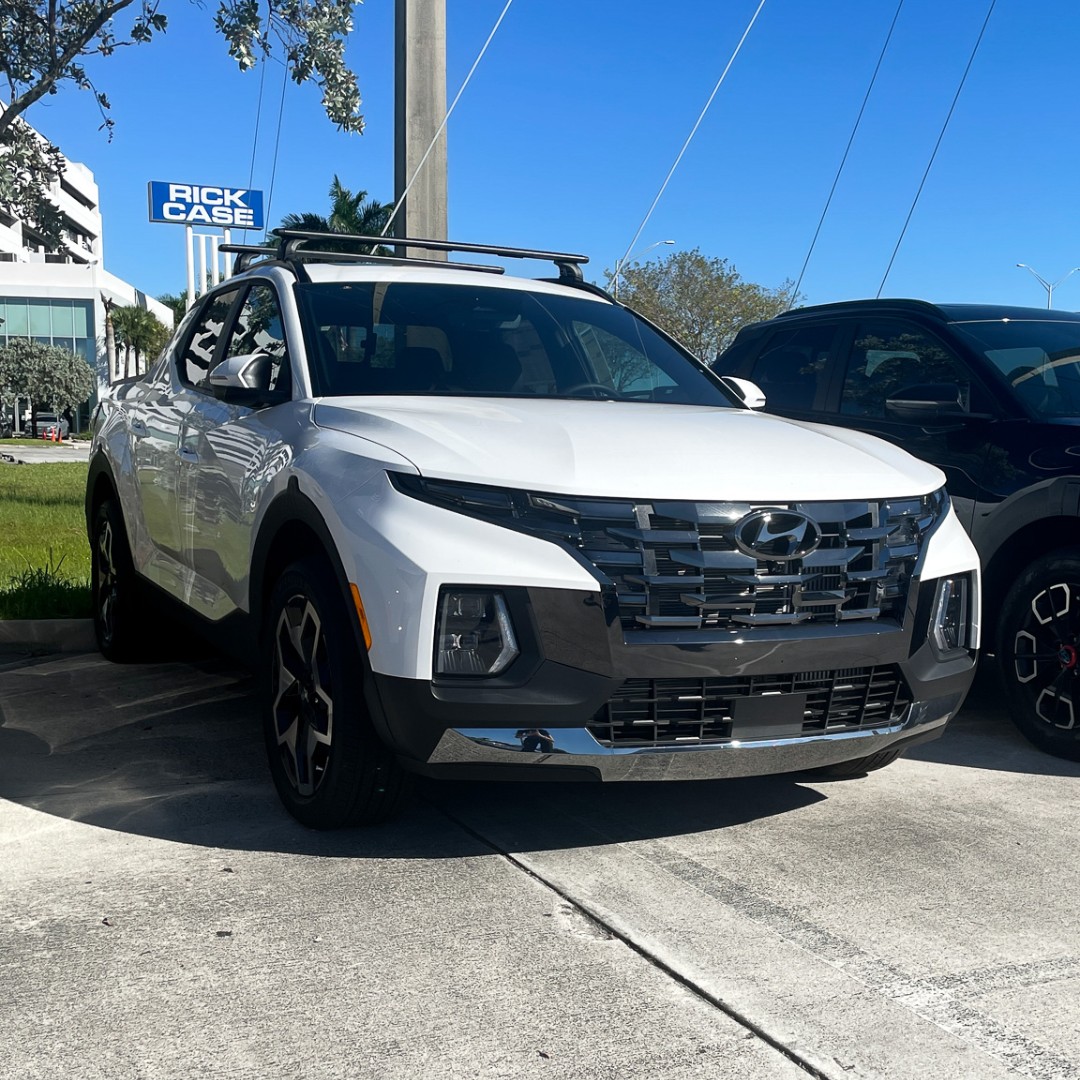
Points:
[(173, 751), (983, 736)]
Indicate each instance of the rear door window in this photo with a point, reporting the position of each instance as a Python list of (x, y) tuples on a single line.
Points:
[(792, 368)]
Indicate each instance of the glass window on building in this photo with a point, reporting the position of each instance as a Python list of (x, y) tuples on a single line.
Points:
[(68, 324)]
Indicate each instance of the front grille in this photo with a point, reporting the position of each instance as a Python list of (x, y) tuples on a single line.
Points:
[(676, 566), (673, 712)]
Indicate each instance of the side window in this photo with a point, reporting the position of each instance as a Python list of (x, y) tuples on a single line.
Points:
[(258, 329), (888, 356), (198, 356), (793, 365)]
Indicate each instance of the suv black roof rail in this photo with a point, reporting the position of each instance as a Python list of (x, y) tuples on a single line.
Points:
[(899, 303), (291, 249)]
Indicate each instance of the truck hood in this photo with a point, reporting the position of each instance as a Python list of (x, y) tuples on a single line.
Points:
[(630, 449)]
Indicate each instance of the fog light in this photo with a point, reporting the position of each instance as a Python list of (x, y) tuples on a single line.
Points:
[(950, 623), (474, 635)]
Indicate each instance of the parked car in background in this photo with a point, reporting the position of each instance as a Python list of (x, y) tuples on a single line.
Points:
[(467, 524), (991, 395), (47, 423)]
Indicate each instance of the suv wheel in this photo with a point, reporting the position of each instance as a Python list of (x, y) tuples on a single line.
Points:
[(329, 766), (1038, 645), (119, 625)]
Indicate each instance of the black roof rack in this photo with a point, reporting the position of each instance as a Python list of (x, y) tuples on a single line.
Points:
[(291, 249)]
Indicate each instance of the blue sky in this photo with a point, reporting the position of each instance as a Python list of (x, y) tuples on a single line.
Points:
[(577, 111)]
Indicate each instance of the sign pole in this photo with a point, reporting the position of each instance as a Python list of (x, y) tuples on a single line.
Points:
[(190, 265)]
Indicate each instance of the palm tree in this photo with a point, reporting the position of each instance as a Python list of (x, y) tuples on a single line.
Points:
[(140, 333), (350, 212)]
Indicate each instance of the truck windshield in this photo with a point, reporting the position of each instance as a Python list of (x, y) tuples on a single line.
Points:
[(1039, 359), (463, 340)]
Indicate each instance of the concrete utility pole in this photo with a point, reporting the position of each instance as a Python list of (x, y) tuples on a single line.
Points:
[(419, 107)]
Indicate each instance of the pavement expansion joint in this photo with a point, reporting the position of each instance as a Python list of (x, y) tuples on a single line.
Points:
[(605, 930)]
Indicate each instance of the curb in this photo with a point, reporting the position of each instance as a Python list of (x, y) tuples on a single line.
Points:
[(47, 635)]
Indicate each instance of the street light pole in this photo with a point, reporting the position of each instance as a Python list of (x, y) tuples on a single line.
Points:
[(613, 283), (1046, 284)]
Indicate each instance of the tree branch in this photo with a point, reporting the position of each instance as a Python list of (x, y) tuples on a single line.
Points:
[(58, 64)]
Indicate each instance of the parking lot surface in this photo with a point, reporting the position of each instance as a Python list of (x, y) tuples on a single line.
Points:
[(163, 916), (43, 450)]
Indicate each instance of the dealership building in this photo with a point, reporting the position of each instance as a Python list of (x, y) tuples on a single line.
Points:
[(59, 297)]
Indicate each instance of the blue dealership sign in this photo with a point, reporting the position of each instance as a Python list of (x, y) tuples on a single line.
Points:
[(204, 204)]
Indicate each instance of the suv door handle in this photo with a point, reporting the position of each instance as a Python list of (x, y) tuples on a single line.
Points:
[(138, 428), (188, 455)]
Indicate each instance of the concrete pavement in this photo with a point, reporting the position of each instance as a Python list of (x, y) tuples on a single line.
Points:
[(77, 450), (164, 917)]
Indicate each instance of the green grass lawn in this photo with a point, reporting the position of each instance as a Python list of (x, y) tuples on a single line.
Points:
[(44, 554)]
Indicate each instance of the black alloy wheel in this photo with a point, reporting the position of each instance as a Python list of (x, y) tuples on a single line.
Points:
[(119, 624), (303, 706), (329, 766), (1038, 649)]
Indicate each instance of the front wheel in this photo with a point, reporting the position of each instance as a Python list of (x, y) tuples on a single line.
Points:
[(1037, 649), (328, 765), (120, 623)]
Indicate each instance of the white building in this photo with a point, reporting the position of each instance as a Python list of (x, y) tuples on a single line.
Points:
[(59, 298)]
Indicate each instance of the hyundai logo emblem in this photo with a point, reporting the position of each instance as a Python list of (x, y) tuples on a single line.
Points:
[(777, 534)]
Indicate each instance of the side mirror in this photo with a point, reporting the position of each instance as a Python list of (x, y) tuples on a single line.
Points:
[(245, 380), (749, 393)]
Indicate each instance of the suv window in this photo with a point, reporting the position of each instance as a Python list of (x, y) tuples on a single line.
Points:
[(889, 355), (792, 367), (258, 329), (200, 352), (418, 338)]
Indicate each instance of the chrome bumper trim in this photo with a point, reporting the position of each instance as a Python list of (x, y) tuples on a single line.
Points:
[(576, 747)]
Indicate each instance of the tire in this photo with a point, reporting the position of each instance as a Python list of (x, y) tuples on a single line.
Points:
[(120, 624), (1037, 649), (844, 770), (328, 765)]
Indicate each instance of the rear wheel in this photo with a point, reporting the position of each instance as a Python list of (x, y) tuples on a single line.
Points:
[(329, 766), (843, 770), (1038, 646), (120, 623)]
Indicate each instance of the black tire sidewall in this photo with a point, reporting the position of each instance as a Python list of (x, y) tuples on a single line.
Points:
[(126, 638), (359, 769), (1049, 570)]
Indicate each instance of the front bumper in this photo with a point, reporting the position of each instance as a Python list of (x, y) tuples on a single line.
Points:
[(550, 716), (479, 752)]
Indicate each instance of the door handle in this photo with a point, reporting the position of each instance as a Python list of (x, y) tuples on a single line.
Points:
[(188, 455), (138, 428)]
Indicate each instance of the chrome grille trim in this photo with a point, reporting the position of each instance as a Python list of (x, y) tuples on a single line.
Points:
[(678, 566)]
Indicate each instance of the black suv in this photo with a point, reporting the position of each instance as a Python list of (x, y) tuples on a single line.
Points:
[(991, 395)]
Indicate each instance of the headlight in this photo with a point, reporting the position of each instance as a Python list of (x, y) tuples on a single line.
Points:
[(473, 633)]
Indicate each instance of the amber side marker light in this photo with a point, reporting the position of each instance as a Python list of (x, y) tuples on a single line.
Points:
[(364, 628)]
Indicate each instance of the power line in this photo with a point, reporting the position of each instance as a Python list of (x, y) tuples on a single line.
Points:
[(277, 143), (693, 131), (941, 135), (445, 120), (258, 110), (847, 150)]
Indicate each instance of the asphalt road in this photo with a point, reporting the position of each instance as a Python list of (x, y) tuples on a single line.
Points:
[(163, 917)]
